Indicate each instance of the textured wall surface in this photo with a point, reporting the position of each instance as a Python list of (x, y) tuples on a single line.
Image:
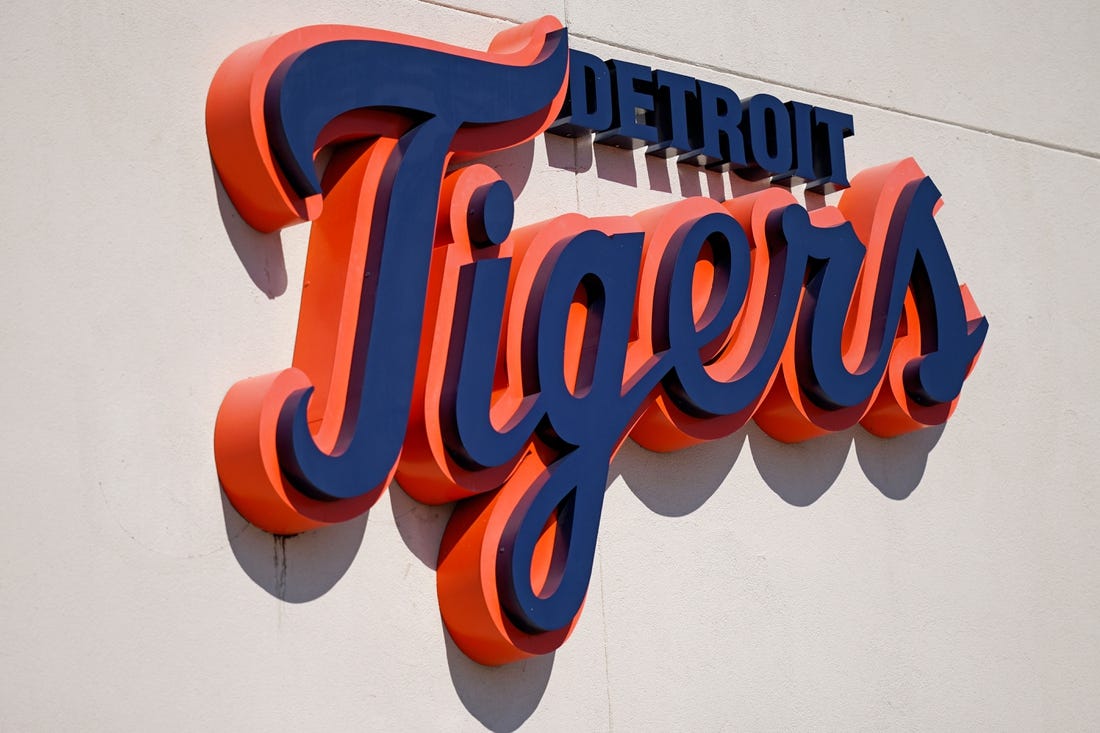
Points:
[(944, 580)]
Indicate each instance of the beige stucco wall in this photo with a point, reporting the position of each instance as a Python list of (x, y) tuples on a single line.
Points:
[(947, 580)]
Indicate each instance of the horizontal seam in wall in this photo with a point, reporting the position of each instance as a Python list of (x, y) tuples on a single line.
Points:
[(794, 87), (471, 11)]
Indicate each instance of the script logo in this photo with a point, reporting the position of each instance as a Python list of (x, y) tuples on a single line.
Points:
[(503, 368)]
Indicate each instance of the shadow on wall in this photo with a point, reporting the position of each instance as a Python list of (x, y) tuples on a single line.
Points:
[(664, 486), (798, 473), (895, 466), (513, 165), (261, 254), (421, 526), (299, 568), (801, 473), (501, 698), (580, 155)]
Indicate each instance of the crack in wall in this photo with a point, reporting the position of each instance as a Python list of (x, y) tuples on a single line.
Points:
[(279, 559)]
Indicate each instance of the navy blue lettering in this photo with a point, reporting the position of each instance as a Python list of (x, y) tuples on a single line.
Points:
[(632, 87)]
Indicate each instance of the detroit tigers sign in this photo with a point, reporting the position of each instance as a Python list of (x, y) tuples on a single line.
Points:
[(501, 368)]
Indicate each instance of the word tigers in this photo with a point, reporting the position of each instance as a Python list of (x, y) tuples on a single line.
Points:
[(503, 368)]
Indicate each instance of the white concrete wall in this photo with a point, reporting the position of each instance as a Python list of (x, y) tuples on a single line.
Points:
[(947, 580)]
